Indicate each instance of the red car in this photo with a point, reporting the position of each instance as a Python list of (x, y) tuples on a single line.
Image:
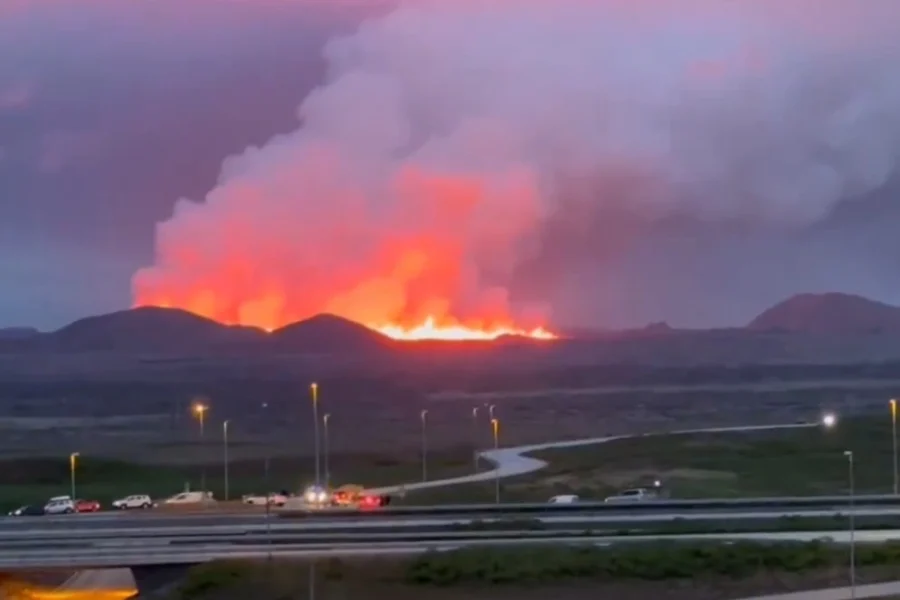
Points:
[(85, 506)]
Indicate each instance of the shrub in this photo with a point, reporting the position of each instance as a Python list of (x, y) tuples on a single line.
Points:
[(660, 561), (211, 577)]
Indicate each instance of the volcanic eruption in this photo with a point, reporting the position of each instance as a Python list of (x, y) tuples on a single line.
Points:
[(456, 147)]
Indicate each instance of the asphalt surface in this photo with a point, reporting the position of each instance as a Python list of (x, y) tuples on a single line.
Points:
[(114, 556), (125, 524)]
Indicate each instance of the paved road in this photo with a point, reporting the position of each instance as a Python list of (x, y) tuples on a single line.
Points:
[(510, 462), (159, 553), (73, 525), (875, 590)]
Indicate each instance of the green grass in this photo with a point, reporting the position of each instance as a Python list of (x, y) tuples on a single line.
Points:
[(470, 570), (26, 481), (791, 462), (773, 463)]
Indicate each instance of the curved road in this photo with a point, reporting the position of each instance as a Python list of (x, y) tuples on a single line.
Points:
[(510, 462)]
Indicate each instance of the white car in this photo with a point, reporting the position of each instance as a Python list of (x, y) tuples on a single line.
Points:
[(564, 499), (134, 501), (633, 495), (260, 500), (60, 505), (190, 498)]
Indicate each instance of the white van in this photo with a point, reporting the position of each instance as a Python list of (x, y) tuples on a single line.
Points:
[(190, 498), (564, 499)]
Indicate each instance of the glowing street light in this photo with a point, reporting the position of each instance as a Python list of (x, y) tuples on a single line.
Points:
[(894, 435), (314, 389), (495, 426), (475, 437), (200, 409), (829, 420), (72, 458), (225, 454), (424, 417), (325, 420)]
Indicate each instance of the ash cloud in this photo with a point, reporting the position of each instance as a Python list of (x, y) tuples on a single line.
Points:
[(474, 159)]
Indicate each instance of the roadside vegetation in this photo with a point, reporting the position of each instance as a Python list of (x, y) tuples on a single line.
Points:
[(467, 573), (786, 462), (34, 480), (806, 461)]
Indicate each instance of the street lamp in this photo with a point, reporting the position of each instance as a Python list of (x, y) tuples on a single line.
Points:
[(849, 455), (475, 437), (200, 411), (495, 426), (491, 411), (225, 454), (325, 420), (72, 458), (829, 420), (894, 435), (314, 388), (424, 417), (265, 406)]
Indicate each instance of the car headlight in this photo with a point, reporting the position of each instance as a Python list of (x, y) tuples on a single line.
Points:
[(323, 496), (311, 497)]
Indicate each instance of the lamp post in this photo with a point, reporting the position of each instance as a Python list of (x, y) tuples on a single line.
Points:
[(225, 454), (491, 411), (314, 389), (424, 417), (894, 436), (200, 410), (475, 437), (849, 455), (72, 458), (265, 405), (325, 420), (495, 426)]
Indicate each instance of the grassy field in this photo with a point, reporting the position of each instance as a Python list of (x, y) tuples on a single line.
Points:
[(25, 481), (661, 571), (806, 461)]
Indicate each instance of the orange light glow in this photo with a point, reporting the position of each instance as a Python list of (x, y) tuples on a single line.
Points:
[(430, 330)]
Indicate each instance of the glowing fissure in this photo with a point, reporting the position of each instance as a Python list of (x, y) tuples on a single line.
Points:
[(429, 330)]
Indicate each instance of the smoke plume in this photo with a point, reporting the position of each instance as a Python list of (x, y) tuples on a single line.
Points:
[(462, 155)]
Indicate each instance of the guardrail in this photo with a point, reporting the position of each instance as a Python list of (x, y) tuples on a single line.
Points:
[(110, 557), (582, 507)]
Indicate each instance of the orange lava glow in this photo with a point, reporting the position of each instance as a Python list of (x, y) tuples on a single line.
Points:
[(434, 266), (431, 331)]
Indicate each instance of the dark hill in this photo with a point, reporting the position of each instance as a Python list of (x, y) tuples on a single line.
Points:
[(831, 313), (327, 333), (17, 333), (146, 329)]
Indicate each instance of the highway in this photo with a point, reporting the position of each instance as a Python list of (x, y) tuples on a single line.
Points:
[(322, 521), (165, 552)]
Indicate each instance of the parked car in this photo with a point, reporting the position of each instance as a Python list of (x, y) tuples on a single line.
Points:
[(30, 510), (190, 498), (86, 506), (274, 499), (134, 501), (59, 505), (633, 495), (564, 499), (374, 501)]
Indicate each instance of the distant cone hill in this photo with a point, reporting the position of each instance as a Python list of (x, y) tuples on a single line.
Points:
[(167, 330)]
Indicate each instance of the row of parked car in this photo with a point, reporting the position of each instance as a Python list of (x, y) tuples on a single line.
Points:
[(66, 505)]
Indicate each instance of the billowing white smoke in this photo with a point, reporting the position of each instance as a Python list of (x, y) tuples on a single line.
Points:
[(451, 132)]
